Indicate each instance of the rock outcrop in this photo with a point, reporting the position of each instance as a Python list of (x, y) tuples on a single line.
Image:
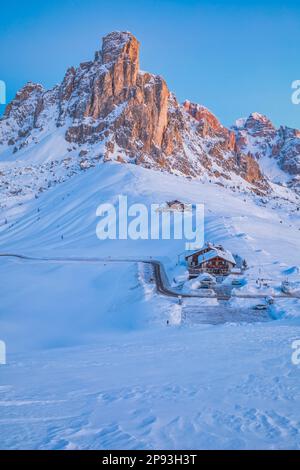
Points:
[(258, 138), (223, 147), (108, 109), (111, 99)]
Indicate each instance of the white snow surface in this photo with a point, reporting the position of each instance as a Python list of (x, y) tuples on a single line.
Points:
[(96, 359)]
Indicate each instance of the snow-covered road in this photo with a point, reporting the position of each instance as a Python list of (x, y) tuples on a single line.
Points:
[(97, 360), (159, 272)]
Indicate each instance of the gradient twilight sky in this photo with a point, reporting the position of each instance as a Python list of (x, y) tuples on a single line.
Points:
[(234, 57)]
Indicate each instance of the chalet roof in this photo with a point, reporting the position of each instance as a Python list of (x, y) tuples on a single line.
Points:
[(207, 246), (214, 252)]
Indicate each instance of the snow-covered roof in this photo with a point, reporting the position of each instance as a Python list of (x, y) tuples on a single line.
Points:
[(236, 271), (205, 277), (207, 245), (214, 253)]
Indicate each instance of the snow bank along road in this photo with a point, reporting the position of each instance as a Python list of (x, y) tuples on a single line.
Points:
[(160, 276)]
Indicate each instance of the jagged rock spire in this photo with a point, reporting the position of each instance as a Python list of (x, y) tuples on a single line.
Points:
[(134, 117)]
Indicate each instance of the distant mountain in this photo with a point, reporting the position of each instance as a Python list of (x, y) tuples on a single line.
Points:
[(108, 109)]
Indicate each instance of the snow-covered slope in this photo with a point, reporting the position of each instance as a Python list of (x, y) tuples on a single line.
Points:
[(96, 358), (92, 362), (69, 209)]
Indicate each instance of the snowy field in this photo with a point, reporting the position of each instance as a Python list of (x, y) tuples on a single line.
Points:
[(92, 362)]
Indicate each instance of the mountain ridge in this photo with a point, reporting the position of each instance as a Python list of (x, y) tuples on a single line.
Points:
[(108, 109)]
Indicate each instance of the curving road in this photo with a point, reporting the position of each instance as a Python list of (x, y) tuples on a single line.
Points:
[(160, 276)]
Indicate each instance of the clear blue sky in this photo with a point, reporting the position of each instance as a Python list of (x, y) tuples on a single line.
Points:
[(234, 57)]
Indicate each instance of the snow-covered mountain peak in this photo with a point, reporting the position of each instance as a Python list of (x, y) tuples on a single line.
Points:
[(259, 125), (107, 109), (118, 43)]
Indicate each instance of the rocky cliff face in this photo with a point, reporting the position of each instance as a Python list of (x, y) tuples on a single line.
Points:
[(224, 149), (273, 148), (108, 109), (110, 99)]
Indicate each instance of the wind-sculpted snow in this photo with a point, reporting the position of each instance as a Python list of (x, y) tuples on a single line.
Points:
[(97, 358), (92, 362)]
